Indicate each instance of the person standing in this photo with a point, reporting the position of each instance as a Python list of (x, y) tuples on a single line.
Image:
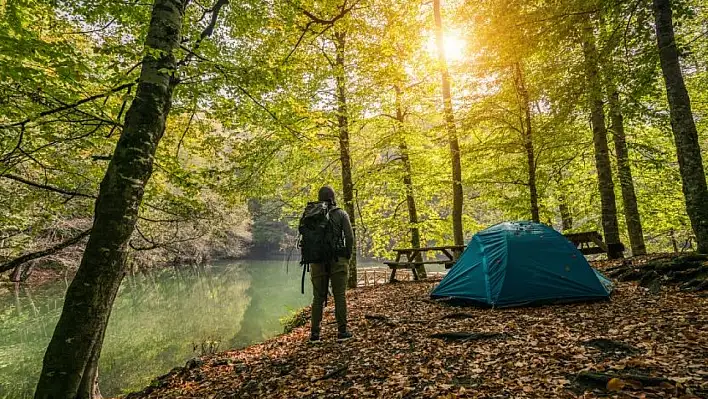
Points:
[(328, 241)]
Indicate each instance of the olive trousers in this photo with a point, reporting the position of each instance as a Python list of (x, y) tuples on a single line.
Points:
[(321, 277)]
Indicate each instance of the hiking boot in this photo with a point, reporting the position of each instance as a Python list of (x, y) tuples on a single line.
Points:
[(315, 339), (344, 335)]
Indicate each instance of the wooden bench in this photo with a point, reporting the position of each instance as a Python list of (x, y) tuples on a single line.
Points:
[(583, 240), (451, 253)]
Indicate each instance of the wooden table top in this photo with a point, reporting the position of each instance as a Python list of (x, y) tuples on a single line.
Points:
[(438, 248)]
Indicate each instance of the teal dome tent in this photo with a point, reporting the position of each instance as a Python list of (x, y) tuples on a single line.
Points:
[(522, 263)]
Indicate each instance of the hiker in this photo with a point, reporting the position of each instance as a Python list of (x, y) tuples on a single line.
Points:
[(327, 245)]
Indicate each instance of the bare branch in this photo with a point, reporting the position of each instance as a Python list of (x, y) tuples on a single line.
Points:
[(47, 187), (208, 31), (314, 19), (120, 113), (68, 106), (186, 129), (45, 252), (344, 10), (79, 32)]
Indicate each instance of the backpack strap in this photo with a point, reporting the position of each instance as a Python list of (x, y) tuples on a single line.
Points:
[(305, 269)]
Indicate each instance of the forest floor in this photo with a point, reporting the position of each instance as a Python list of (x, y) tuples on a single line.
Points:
[(640, 344)]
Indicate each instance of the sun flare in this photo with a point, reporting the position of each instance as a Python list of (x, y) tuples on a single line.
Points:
[(453, 44)]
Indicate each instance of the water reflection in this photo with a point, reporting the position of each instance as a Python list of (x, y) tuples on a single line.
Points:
[(158, 322)]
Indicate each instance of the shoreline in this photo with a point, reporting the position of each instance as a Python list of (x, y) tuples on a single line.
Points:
[(42, 276)]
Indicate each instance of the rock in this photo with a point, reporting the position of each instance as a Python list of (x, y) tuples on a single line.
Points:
[(612, 346), (193, 363)]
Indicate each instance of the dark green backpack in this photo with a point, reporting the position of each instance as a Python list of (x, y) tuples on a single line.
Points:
[(318, 240)]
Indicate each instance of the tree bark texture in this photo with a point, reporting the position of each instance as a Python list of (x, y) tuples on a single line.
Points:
[(629, 198), (408, 183), (72, 354), (566, 215), (344, 154), (457, 194), (602, 155), (525, 106), (688, 149)]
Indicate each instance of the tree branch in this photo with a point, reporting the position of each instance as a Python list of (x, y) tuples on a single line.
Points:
[(68, 106), (120, 112), (208, 31), (186, 129), (314, 19), (45, 252), (47, 187)]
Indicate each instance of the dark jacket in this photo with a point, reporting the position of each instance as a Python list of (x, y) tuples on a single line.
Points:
[(343, 229)]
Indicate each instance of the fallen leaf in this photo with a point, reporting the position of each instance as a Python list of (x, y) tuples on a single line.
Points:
[(615, 384)]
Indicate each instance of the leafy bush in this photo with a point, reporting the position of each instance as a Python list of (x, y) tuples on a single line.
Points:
[(295, 318)]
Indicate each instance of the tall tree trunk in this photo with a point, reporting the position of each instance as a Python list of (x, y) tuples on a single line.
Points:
[(408, 183), (602, 155), (75, 346), (344, 154), (629, 198), (685, 135), (566, 215), (88, 389), (451, 130), (525, 105)]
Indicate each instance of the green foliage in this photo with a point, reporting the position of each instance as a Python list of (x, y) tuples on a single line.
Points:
[(255, 117), (294, 319)]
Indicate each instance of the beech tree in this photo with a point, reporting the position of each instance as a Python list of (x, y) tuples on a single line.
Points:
[(602, 156), (688, 149), (70, 368), (457, 195)]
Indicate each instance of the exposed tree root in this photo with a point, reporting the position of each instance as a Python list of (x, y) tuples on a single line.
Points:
[(688, 272), (612, 346)]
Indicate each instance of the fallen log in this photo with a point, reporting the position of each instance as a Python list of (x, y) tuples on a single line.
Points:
[(600, 380), (339, 370), (458, 315), (688, 272)]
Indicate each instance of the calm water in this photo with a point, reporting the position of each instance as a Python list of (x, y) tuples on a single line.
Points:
[(158, 322)]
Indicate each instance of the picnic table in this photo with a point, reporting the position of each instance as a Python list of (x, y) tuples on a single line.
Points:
[(410, 255), (583, 240)]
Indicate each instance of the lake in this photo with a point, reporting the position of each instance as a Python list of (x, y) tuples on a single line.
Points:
[(158, 321)]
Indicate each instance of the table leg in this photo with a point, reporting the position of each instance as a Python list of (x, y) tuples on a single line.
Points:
[(393, 275), (599, 243)]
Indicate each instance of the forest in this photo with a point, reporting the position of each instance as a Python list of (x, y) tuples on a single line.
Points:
[(135, 134)]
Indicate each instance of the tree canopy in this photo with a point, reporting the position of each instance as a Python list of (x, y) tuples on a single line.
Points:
[(581, 115)]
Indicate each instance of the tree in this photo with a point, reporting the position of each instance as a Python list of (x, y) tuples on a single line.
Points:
[(624, 171), (525, 122), (70, 365), (602, 156), (408, 183), (457, 195), (344, 155), (688, 149)]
